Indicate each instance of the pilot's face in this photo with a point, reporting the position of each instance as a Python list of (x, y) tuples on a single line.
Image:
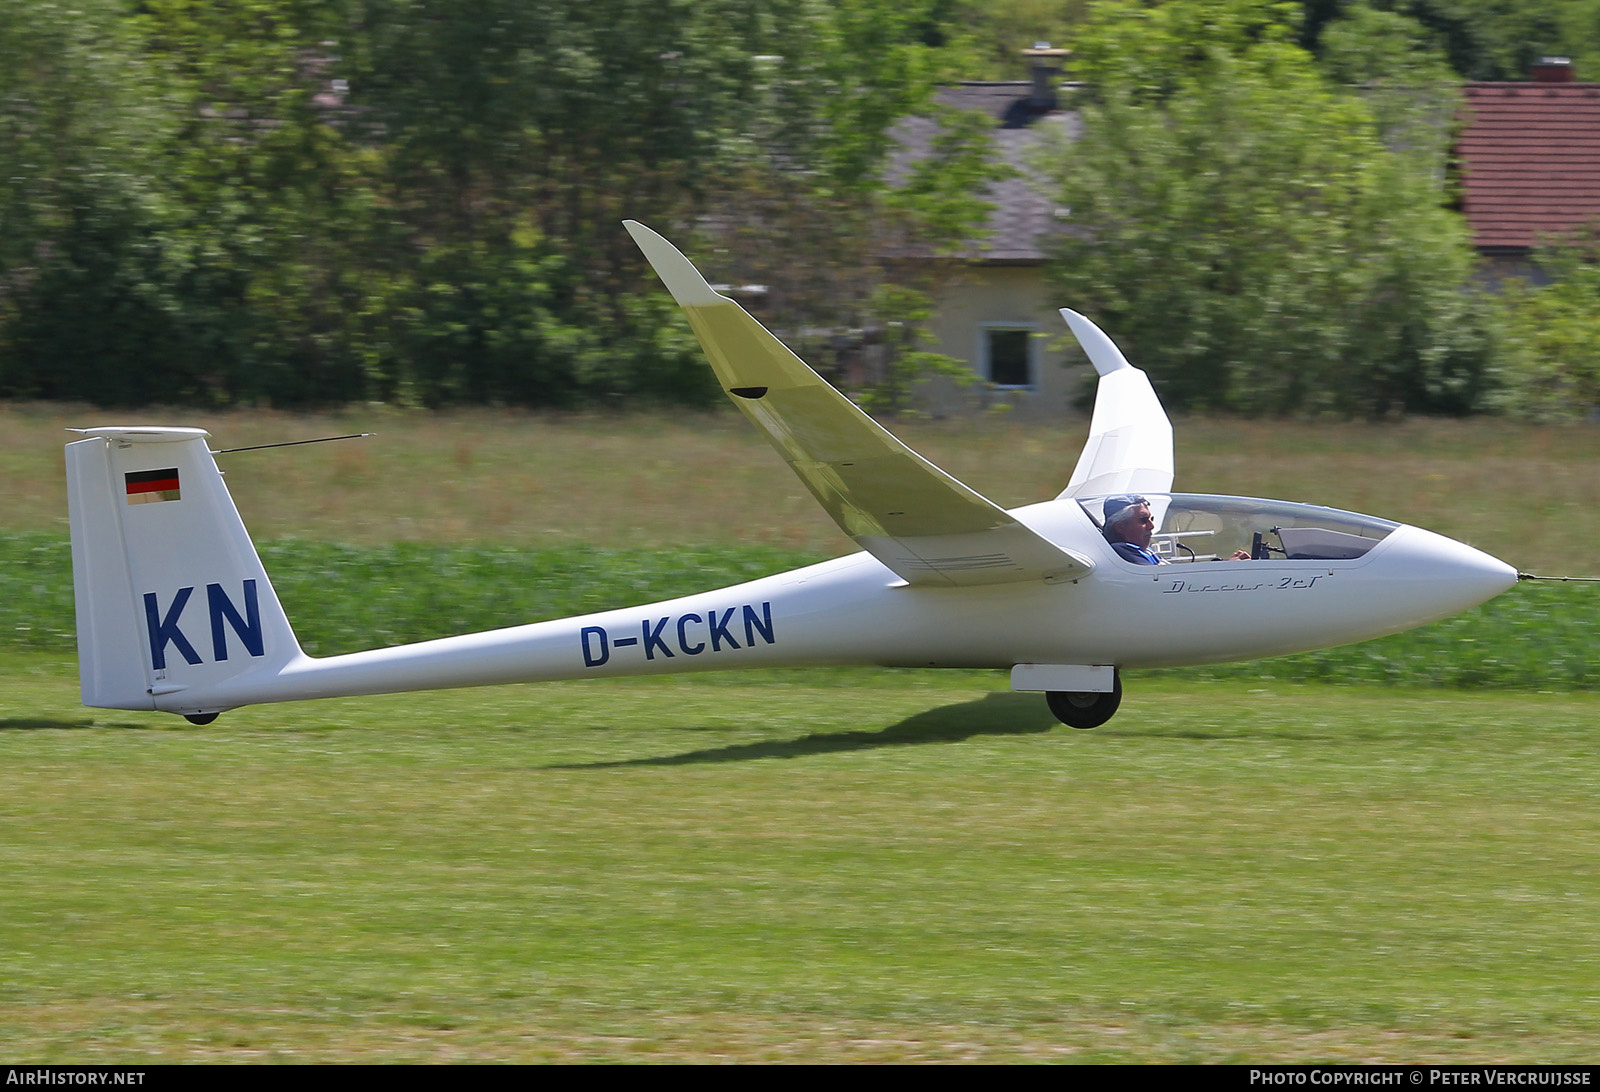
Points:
[(1136, 526)]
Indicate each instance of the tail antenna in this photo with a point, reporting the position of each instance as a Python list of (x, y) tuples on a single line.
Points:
[(295, 443)]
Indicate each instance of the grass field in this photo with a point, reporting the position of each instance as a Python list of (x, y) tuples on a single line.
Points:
[(831, 867), (1527, 493), (811, 866)]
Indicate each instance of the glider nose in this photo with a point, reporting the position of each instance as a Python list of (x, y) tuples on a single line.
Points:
[(1445, 576)]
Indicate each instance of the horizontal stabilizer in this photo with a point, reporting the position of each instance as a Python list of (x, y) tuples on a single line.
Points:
[(917, 520)]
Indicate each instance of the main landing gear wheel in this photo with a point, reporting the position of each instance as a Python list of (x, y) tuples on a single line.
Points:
[(200, 718), (1081, 709)]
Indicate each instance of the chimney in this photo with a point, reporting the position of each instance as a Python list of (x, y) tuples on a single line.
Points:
[(1045, 64), (1553, 70)]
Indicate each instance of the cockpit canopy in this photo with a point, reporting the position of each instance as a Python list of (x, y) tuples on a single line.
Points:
[(1194, 527)]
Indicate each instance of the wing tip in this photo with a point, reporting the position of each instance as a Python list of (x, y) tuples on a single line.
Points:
[(1103, 352), (688, 287)]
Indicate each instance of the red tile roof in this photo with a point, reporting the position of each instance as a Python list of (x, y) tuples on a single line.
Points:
[(1530, 154)]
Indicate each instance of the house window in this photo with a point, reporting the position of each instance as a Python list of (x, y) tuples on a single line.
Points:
[(1008, 355)]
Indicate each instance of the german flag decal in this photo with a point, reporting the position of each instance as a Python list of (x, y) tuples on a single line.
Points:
[(148, 486)]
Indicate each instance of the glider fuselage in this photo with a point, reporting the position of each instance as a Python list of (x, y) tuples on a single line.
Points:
[(853, 610)]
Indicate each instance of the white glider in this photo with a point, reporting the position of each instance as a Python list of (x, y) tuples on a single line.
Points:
[(176, 613)]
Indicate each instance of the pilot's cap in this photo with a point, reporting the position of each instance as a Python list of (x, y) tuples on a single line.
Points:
[(1115, 507)]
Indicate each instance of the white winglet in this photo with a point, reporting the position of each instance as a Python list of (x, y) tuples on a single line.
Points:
[(1103, 352), (1129, 449), (682, 279)]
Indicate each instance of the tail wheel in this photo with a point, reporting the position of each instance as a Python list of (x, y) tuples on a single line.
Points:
[(1081, 709)]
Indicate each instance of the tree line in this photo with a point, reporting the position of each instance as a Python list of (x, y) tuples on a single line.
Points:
[(311, 202), (306, 202)]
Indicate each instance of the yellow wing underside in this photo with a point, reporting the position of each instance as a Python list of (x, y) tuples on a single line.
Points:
[(921, 523)]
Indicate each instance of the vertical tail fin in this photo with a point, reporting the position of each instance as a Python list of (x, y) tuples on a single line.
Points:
[(170, 594)]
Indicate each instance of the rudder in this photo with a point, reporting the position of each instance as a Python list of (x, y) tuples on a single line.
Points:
[(170, 595)]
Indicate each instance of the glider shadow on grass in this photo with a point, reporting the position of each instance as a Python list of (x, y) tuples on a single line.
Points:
[(47, 724), (998, 714), (19, 724), (41, 724)]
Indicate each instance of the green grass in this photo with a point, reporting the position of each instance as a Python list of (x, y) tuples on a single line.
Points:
[(842, 865), (1528, 494), (801, 867)]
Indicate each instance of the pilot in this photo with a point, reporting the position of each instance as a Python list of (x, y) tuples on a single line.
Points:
[(1129, 526)]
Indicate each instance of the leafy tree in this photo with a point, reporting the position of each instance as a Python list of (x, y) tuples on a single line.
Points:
[(83, 297), (1239, 223), (521, 135), (984, 38), (517, 138), (297, 201), (275, 230), (1480, 39), (79, 109), (219, 247), (1551, 333), (1580, 37)]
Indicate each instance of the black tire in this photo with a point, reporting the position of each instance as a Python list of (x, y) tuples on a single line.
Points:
[(1085, 710), (200, 718)]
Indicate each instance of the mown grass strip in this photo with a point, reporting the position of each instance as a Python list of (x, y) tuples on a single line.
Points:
[(662, 869)]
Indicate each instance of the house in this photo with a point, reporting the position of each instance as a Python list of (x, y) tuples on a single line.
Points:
[(1530, 161), (993, 306), (1529, 154)]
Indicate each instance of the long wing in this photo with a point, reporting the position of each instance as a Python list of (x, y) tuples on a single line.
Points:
[(1130, 439), (923, 524)]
